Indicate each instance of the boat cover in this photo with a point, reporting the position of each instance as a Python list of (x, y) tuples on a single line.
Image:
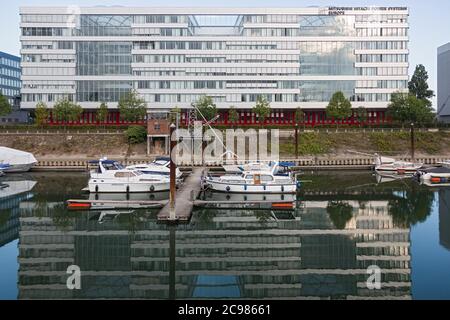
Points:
[(16, 157)]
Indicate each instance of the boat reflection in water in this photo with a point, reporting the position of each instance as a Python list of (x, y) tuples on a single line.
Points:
[(322, 250)]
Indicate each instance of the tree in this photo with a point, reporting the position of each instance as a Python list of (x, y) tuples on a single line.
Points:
[(418, 86), (262, 109), (102, 113), (132, 107), (361, 115), (136, 134), (174, 115), (406, 108), (41, 114), (339, 107), (205, 107), (5, 107), (65, 111), (300, 117), (233, 116)]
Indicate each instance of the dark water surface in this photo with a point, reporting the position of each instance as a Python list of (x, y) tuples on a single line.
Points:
[(344, 223)]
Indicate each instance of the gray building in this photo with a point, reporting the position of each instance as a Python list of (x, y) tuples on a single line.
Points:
[(444, 83)]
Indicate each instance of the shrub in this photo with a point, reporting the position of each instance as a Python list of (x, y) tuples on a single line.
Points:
[(136, 134)]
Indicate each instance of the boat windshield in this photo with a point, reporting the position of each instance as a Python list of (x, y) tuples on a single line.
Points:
[(159, 162), (138, 173)]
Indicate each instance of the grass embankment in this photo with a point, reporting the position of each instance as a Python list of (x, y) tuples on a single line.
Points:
[(394, 143), (73, 146), (320, 144)]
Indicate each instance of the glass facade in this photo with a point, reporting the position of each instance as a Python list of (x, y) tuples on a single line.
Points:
[(292, 57), (104, 91), (10, 76), (103, 58)]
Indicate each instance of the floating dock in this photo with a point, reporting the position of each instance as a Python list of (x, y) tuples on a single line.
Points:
[(185, 197), (113, 204), (251, 204)]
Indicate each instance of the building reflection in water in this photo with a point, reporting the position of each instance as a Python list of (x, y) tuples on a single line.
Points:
[(444, 218), (322, 250)]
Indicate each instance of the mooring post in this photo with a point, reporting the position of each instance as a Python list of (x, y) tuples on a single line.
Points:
[(296, 141), (173, 177), (413, 147)]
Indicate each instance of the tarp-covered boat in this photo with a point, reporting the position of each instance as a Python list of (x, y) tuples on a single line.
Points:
[(18, 161)]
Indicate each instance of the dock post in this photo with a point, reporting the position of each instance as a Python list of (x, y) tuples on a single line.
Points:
[(413, 147), (173, 178), (296, 141)]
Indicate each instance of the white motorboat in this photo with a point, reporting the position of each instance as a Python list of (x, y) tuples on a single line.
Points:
[(445, 164), (384, 164), (161, 166), (272, 180), (252, 166), (3, 167), (18, 161), (434, 176), (112, 177)]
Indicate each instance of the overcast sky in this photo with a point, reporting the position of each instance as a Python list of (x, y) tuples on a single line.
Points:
[(429, 21)]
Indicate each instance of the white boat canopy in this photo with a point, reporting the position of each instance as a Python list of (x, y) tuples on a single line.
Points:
[(16, 157)]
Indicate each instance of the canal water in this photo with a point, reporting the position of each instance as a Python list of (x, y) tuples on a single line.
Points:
[(345, 225)]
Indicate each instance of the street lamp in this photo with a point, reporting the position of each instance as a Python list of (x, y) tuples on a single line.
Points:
[(412, 142)]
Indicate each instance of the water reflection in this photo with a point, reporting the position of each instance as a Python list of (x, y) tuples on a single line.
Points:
[(444, 218), (12, 193), (320, 250)]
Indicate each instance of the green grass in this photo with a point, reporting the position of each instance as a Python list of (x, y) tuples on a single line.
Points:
[(381, 142), (310, 143)]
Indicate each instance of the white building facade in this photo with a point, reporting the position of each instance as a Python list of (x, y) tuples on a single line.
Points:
[(295, 57)]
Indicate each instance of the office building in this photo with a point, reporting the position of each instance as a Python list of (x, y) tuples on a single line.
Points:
[(295, 57)]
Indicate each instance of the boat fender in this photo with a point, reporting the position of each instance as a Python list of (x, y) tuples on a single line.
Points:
[(128, 189), (282, 188), (228, 188), (152, 188), (96, 188)]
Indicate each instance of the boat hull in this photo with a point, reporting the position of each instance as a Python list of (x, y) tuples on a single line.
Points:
[(16, 168), (130, 187), (251, 188)]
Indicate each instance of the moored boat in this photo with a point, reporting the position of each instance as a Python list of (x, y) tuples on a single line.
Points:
[(161, 166), (3, 167), (252, 166), (445, 163), (271, 180), (434, 176), (18, 161), (112, 177), (384, 164)]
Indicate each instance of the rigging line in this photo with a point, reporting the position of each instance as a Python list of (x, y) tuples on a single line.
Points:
[(220, 140)]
